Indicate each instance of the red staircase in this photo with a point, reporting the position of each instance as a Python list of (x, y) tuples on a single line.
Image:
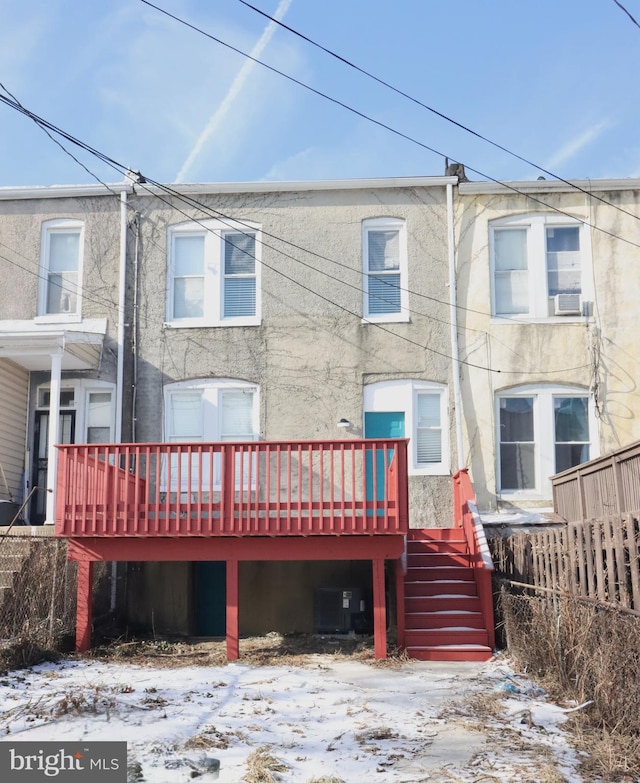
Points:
[(443, 613), (447, 587)]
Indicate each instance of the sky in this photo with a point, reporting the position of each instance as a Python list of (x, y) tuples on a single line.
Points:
[(333, 717), (552, 81)]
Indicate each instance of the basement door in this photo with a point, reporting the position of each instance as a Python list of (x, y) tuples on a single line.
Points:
[(211, 598), (381, 425)]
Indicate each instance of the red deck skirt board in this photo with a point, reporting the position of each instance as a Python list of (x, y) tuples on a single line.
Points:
[(231, 548)]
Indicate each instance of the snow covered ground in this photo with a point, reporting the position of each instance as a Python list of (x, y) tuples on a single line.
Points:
[(359, 722)]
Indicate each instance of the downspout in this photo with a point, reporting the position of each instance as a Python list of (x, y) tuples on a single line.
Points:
[(453, 309), (122, 288)]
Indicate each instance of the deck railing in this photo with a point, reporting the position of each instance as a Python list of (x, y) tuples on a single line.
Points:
[(467, 517), (258, 488)]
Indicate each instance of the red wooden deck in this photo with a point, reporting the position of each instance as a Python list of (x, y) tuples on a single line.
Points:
[(300, 500)]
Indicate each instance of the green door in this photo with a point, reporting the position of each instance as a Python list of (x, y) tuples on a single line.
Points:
[(381, 425), (211, 598)]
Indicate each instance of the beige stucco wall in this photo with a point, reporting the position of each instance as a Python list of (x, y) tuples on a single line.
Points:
[(584, 351), (311, 355)]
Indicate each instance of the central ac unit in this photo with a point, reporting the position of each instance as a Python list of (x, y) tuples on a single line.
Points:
[(567, 304)]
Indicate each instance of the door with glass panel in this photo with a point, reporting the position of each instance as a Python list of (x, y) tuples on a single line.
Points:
[(41, 461)]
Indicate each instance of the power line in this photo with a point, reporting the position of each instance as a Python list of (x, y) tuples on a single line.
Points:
[(119, 167), (622, 8), (389, 128), (434, 111)]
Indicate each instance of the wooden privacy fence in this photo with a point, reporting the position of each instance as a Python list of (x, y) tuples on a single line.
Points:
[(596, 559)]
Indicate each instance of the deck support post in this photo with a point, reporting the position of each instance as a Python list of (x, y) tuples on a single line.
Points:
[(83, 607), (233, 649), (400, 608), (379, 610)]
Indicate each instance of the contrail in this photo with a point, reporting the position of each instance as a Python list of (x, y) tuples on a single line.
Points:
[(234, 90)]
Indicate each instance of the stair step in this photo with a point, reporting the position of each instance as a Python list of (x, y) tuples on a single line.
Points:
[(435, 534), (434, 559), (428, 620), (439, 587), (465, 652), (434, 637), (440, 603), (457, 572), (417, 547)]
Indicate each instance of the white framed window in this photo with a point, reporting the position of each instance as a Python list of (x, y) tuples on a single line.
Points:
[(384, 263), (94, 403), (61, 256), (209, 411), (213, 274), (541, 430), (423, 407), (541, 267)]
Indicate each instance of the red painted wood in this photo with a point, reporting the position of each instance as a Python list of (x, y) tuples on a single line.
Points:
[(233, 646), (83, 609), (400, 587), (278, 488), (248, 548), (379, 610)]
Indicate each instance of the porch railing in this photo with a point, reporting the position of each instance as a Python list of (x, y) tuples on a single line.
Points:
[(467, 517), (261, 488)]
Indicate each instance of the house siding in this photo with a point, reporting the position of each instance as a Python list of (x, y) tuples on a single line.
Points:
[(14, 384)]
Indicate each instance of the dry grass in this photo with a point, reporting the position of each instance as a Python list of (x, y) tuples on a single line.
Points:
[(327, 779), (478, 707), (263, 767), (589, 654)]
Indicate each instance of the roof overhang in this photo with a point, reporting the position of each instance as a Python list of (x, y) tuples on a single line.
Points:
[(31, 344)]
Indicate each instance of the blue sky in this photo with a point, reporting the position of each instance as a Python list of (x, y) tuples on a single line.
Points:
[(554, 81)]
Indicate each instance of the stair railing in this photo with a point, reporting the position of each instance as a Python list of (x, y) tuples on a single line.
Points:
[(467, 517)]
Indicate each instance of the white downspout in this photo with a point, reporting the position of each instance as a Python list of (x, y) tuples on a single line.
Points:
[(121, 314), (457, 395), (53, 435), (122, 289)]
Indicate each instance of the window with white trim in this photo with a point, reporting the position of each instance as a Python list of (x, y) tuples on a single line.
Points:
[(214, 274), (540, 266), (384, 247), (94, 403), (208, 410), (59, 295), (542, 430), (425, 408)]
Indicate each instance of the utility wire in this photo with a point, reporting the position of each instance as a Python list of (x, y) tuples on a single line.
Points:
[(389, 128), (434, 111), (622, 8), (123, 169)]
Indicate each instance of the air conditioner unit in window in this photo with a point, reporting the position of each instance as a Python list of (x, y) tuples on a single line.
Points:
[(567, 304)]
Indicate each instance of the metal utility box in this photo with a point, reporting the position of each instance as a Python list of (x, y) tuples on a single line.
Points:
[(342, 610)]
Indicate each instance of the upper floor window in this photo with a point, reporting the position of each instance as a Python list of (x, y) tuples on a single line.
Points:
[(61, 269), (411, 409), (540, 266), (542, 430), (214, 274), (384, 244)]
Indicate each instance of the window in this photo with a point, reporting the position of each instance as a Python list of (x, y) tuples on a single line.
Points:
[(93, 404), (540, 266), (542, 430), (208, 411), (384, 245), (420, 413), (214, 271), (61, 269)]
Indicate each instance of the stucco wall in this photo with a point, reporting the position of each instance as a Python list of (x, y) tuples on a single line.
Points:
[(577, 352), (311, 355)]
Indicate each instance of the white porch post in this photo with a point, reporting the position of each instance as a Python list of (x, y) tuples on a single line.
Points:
[(53, 436)]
